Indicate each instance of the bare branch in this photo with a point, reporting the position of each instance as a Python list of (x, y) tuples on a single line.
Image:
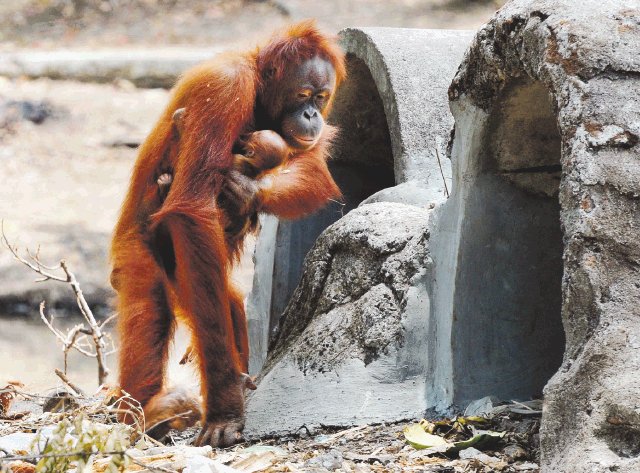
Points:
[(446, 189), (71, 342), (35, 267), (73, 339), (96, 331), (68, 341), (36, 260)]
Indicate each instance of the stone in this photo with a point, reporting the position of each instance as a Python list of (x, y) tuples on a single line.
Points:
[(475, 454), (201, 464), (514, 452), (332, 460), (350, 344), (35, 111), (541, 227), (526, 466), (17, 442), (482, 406)]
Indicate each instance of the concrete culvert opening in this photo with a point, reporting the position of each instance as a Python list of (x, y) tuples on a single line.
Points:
[(507, 335), (361, 164)]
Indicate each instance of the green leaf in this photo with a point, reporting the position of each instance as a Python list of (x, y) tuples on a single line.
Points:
[(418, 438), (472, 420)]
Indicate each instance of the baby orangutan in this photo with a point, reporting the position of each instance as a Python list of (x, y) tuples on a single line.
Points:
[(262, 150)]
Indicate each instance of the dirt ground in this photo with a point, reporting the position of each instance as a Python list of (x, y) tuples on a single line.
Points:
[(64, 181), (364, 448)]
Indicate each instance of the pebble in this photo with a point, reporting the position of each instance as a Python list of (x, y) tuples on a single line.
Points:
[(514, 452), (331, 460)]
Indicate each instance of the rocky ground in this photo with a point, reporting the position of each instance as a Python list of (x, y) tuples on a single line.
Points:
[(364, 448)]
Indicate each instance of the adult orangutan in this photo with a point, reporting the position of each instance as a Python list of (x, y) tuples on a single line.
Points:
[(170, 254)]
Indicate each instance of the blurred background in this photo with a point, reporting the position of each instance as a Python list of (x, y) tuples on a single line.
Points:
[(131, 23), (67, 144)]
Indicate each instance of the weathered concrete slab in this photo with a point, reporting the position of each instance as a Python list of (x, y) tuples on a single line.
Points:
[(410, 69), (143, 67), (257, 303)]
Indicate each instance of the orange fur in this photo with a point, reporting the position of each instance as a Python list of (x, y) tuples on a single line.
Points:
[(172, 256)]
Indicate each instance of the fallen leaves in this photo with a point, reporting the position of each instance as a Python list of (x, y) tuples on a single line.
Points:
[(451, 436), (500, 441), (7, 395)]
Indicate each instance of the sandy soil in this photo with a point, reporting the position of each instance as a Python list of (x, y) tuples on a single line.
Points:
[(66, 183)]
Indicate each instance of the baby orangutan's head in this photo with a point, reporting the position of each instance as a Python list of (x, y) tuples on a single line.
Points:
[(266, 149)]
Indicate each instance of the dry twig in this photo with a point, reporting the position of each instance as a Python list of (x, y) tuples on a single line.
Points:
[(76, 337), (76, 390), (444, 180)]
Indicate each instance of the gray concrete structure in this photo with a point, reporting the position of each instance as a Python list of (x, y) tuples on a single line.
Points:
[(586, 60), (394, 129), (497, 248), (345, 351), (542, 227), (537, 244)]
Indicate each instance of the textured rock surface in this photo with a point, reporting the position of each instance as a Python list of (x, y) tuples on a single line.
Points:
[(349, 349), (586, 58)]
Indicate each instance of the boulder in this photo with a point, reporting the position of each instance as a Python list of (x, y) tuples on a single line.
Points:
[(350, 344)]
